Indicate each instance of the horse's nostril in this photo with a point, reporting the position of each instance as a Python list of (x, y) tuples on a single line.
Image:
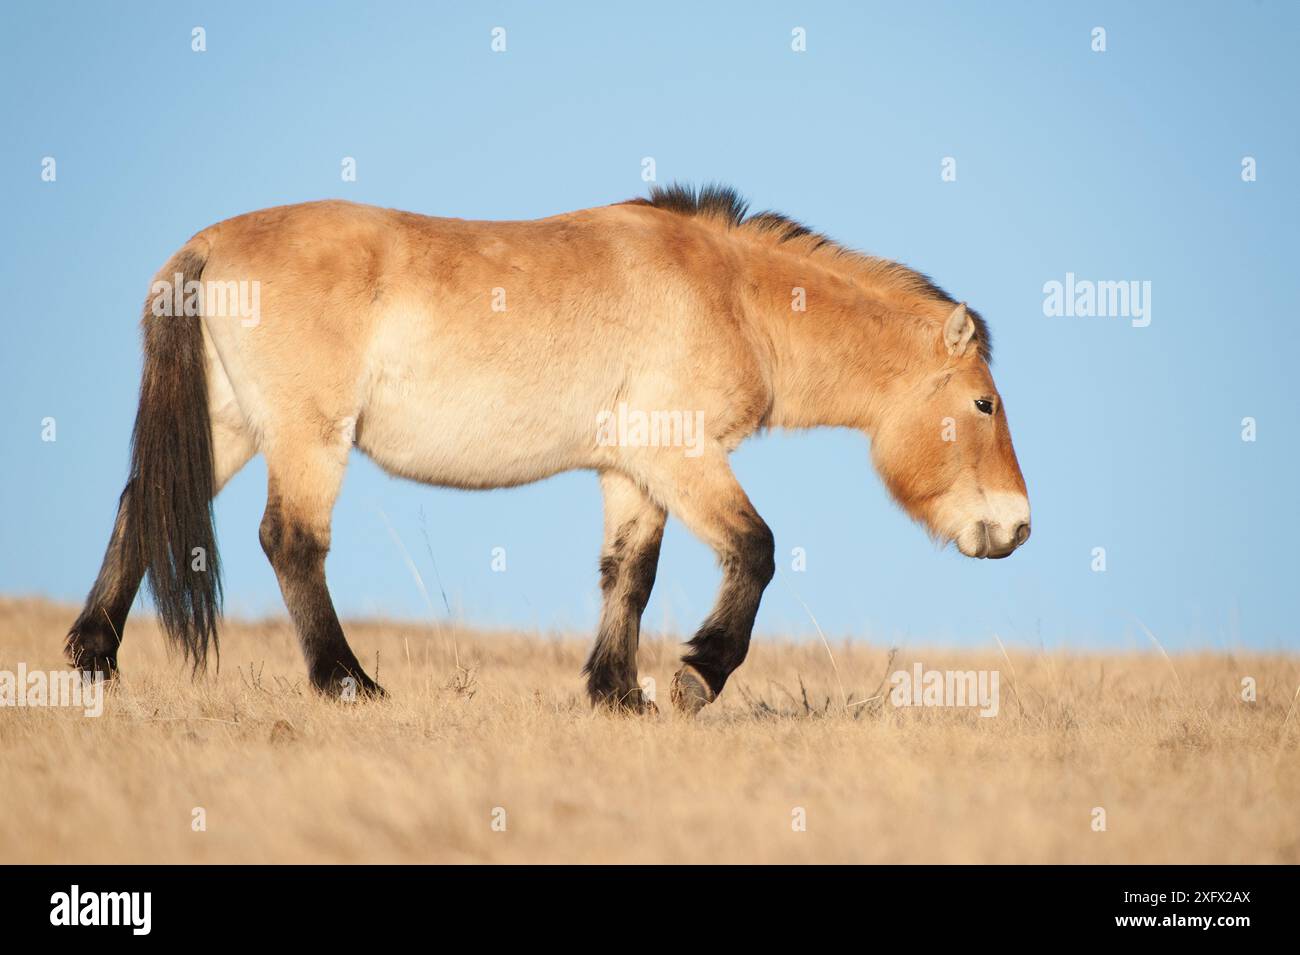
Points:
[(1022, 533)]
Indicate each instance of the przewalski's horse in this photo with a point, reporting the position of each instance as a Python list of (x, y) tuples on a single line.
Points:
[(493, 354)]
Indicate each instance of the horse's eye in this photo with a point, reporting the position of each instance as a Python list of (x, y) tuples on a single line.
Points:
[(984, 405)]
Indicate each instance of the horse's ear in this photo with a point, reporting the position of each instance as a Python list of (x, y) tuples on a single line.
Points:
[(958, 330)]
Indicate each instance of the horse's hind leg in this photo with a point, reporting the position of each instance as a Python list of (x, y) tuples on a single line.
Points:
[(95, 637), (304, 480), (634, 529)]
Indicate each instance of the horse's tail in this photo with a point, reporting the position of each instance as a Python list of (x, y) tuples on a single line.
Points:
[(172, 477)]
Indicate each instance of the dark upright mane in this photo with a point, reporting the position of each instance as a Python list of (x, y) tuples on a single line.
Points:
[(723, 203)]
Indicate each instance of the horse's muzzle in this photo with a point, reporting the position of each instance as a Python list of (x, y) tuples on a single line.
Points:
[(992, 541)]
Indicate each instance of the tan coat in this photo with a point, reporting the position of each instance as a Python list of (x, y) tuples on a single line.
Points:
[(643, 340)]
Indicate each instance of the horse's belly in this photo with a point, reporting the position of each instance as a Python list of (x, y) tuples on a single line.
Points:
[(460, 440)]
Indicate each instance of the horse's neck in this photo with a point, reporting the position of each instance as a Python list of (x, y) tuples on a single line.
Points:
[(837, 361)]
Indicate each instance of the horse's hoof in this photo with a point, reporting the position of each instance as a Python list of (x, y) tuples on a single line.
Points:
[(349, 687), (92, 652), (101, 669), (631, 703), (690, 693)]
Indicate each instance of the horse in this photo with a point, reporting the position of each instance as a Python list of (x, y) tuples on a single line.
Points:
[(489, 354)]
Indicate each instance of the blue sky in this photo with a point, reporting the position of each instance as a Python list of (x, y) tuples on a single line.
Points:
[(1117, 165)]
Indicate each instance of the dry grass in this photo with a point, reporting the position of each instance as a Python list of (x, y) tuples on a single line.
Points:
[(1186, 771)]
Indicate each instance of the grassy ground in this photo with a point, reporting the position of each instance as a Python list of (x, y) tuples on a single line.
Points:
[(1184, 769)]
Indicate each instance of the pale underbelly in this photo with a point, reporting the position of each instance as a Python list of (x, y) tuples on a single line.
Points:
[(466, 442)]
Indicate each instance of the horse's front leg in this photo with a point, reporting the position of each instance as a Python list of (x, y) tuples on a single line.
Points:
[(704, 494), (634, 529)]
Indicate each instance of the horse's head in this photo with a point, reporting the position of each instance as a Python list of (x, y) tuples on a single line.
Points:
[(943, 447)]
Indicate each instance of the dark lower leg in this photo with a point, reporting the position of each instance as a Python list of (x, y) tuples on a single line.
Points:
[(627, 575), (704, 494), (93, 641), (298, 555), (722, 641), (634, 527)]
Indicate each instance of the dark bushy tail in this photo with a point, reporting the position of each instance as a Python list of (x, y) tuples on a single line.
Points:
[(172, 478)]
